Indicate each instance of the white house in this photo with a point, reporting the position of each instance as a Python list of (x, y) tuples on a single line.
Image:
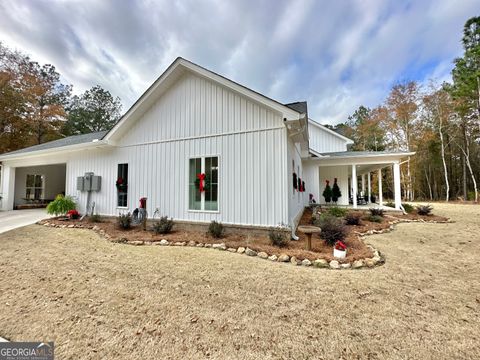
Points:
[(192, 121)]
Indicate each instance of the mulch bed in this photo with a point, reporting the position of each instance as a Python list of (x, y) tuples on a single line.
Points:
[(357, 249)]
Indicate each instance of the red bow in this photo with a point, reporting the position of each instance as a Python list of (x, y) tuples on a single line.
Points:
[(340, 246), (201, 177)]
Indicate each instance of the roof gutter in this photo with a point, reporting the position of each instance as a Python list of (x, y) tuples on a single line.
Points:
[(69, 148)]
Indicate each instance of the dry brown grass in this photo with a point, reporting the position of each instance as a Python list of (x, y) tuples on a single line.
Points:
[(97, 299)]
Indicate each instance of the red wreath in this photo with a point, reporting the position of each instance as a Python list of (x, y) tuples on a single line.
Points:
[(201, 178)]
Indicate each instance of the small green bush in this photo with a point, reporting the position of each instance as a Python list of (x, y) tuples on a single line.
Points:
[(353, 218), (424, 209), (163, 226), (333, 229), (95, 218), (124, 221), (216, 229), (278, 236), (375, 218), (337, 211), (408, 208), (377, 212), (390, 204), (61, 205)]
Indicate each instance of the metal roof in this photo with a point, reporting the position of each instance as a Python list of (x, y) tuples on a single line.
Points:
[(70, 140)]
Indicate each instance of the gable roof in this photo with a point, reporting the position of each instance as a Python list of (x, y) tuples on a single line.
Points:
[(330, 131), (60, 143), (179, 67)]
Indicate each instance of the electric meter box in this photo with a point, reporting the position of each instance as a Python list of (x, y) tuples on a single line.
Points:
[(89, 182), (80, 183)]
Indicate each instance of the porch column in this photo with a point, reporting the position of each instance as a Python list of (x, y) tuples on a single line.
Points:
[(397, 186), (8, 187), (369, 183), (380, 189), (363, 184), (354, 185)]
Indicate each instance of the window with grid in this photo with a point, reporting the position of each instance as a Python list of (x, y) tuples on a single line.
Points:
[(34, 187), (122, 185), (206, 200)]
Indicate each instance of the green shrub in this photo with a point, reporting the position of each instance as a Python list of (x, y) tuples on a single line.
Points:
[(61, 205), (333, 229), (424, 209), (216, 229), (390, 204), (408, 208), (95, 218), (375, 218), (278, 236), (124, 221), (353, 218), (337, 211), (377, 212), (163, 226)]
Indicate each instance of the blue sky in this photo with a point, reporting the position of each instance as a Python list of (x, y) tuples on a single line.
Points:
[(337, 55)]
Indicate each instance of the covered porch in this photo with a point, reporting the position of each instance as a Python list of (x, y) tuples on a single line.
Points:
[(353, 172)]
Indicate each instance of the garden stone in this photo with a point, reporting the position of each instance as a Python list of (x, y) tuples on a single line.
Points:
[(95, 228), (232, 250), (369, 263), (191, 243), (306, 262), (262, 255), (208, 245), (357, 264), (199, 245), (334, 264), (136, 242), (273, 258), (182, 243), (71, 226), (221, 246), (320, 263), (283, 258), (250, 252), (293, 260), (163, 242), (346, 266), (241, 250)]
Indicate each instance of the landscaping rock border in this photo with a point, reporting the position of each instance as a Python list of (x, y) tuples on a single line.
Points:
[(377, 259)]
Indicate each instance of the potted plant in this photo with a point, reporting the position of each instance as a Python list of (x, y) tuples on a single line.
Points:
[(73, 214), (336, 193), (340, 250), (327, 192)]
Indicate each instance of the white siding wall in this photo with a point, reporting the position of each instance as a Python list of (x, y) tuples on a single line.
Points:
[(322, 141), (296, 198), (196, 118), (311, 173)]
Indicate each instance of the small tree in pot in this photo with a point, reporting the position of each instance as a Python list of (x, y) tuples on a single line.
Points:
[(327, 192), (336, 193)]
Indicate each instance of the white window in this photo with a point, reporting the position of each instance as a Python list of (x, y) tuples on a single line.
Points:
[(34, 187), (122, 185), (203, 184)]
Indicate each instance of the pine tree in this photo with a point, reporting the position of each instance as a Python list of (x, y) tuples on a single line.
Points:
[(336, 193), (327, 192)]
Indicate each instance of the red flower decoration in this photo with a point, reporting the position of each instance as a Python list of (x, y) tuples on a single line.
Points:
[(339, 245)]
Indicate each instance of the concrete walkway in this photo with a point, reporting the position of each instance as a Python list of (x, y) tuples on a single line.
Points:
[(13, 219)]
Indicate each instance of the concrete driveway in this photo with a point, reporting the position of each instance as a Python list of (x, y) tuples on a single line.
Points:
[(13, 219)]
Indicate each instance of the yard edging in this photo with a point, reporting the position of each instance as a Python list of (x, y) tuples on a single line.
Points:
[(370, 262)]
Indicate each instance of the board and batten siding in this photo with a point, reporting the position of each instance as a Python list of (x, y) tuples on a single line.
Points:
[(296, 199), (196, 118), (323, 141)]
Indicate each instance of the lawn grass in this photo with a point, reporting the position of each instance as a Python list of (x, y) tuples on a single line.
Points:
[(97, 299)]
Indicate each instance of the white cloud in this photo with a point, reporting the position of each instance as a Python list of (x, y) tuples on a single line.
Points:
[(336, 55)]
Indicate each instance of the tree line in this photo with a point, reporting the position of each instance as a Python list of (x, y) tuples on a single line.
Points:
[(440, 122), (36, 106)]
